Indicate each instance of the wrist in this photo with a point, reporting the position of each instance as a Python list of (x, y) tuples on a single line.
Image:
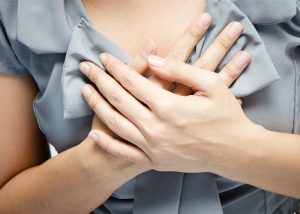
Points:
[(98, 166), (241, 152)]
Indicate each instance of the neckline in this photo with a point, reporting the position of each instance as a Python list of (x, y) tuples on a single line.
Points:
[(75, 12)]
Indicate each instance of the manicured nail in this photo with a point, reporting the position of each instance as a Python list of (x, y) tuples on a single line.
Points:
[(148, 48), (235, 30), (86, 91), (93, 136), (242, 59), (103, 58), (84, 68), (156, 61), (204, 20)]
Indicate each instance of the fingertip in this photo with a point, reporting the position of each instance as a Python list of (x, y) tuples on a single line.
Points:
[(103, 58), (237, 24), (235, 29), (149, 48), (84, 68), (156, 61), (94, 136), (243, 59), (86, 91), (204, 20), (246, 54)]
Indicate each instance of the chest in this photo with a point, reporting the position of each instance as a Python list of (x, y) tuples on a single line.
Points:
[(131, 29)]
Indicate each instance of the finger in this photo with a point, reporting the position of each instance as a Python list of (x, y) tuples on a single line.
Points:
[(119, 148), (188, 75), (116, 95), (234, 68), (221, 45), (229, 73), (139, 63), (187, 42), (115, 121), (185, 45), (137, 85), (240, 101)]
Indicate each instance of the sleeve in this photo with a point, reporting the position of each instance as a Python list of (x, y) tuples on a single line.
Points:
[(9, 63)]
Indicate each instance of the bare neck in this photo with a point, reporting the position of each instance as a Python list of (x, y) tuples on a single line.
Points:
[(143, 7)]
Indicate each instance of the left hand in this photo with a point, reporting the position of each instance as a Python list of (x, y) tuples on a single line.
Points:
[(173, 132)]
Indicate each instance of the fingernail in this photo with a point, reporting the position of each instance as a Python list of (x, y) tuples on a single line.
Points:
[(86, 91), (148, 48), (93, 136), (204, 20), (156, 61), (84, 68), (242, 59), (103, 58), (235, 30)]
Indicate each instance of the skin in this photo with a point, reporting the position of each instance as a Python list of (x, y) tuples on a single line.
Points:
[(206, 131), (79, 179), (178, 133)]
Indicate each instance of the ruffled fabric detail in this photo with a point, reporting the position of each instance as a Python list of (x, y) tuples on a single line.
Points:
[(266, 12), (86, 44), (176, 192)]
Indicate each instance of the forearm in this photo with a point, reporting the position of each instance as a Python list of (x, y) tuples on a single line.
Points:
[(266, 159), (75, 181)]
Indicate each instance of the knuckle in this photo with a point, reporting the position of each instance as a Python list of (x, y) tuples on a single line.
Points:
[(179, 52), (114, 97), (117, 154), (162, 108), (174, 67), (204, 64), (214, 80), (113, 124), (138, 66), (180, 122), (156, 156), (232, 71), (223, 42), (127, 81), (156, 133), (195, 31)]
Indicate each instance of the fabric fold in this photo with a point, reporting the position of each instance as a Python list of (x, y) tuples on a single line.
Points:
[(86, 44), (157, 192), (47, 34), (278, 11), (37, 16), (261, 72)]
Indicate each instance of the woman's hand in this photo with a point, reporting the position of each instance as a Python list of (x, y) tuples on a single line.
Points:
[(168, 131), (181, 52), (134, 126)]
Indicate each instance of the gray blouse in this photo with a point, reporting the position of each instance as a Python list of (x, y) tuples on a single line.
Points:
[(48, 39)]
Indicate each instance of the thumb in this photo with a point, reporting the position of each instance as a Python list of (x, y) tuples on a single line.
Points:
[(180, 72)]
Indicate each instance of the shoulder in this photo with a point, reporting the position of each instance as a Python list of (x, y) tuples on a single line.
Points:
[(41, 26)]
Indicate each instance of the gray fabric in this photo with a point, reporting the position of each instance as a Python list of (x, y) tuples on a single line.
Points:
[(74, 104), (48, 39)]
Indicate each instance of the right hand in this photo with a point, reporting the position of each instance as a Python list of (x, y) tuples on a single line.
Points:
[(180, 52)]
